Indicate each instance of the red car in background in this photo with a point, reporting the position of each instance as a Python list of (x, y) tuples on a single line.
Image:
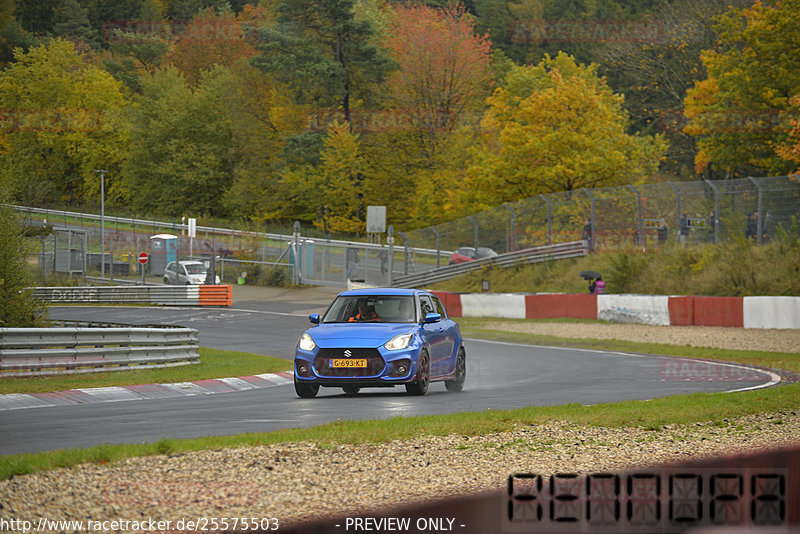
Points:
[(465, 254)]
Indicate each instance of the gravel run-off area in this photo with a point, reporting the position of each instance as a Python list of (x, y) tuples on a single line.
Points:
[(281, 480)]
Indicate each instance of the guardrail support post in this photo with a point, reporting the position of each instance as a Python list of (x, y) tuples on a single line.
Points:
[(405, 254)]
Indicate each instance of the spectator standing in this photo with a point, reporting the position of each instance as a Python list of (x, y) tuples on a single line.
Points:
[(597, 286)]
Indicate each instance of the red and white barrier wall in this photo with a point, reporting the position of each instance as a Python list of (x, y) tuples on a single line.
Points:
[(742, 312)]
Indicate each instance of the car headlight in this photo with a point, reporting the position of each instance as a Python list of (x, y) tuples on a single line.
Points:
[(306, 343), (398, 342)]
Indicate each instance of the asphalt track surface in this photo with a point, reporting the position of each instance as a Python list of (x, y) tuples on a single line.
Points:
[(499, 376)]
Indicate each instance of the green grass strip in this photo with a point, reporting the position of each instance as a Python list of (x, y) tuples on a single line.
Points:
[(214, 363)]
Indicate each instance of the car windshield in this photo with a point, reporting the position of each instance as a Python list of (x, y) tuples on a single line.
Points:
[(485, 252), (371, 309), (195, 268)]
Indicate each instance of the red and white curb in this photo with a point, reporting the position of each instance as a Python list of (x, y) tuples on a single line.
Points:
[(18, 401)]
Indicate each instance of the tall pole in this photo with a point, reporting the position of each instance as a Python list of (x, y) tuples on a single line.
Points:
[(103, 224)]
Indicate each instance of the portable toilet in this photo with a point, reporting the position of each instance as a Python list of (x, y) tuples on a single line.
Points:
[(163, 249)]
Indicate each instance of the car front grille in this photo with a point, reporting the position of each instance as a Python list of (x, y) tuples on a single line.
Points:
[(375, 363)]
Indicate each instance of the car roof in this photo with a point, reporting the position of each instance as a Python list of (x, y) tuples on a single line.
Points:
[(381, 291), (191, 262)]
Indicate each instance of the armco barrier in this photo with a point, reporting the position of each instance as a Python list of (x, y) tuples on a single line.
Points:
[(213, 295), (48, 351)]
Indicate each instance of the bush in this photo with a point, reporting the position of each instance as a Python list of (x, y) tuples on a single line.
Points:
[(18, 308)]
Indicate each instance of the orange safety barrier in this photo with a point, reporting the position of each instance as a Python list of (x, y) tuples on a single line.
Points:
[(681, 311), (718, 311), (576, 306), (216, 295)]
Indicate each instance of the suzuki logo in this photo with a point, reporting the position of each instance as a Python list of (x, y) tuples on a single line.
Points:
[(347, 353)]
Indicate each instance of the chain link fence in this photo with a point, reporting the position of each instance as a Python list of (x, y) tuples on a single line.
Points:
[(641, 216)]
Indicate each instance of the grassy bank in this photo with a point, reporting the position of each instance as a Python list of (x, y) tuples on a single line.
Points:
[(214, 363), (652, 414)]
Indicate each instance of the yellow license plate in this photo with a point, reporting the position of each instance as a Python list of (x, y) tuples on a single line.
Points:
[(354, 362)]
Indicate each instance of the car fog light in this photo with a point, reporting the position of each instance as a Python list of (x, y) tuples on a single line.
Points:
[(401, 369)]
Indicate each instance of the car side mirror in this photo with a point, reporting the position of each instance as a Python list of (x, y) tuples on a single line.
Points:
[(314, 318), (433, 317)]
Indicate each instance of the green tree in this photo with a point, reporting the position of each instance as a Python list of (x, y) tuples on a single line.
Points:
[(555, 127), (72, 22), (18, 308), (180, 161), (737, 112), (63, 122), (323, 53)]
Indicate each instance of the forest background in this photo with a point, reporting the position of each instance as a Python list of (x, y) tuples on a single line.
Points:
[(283, 110)]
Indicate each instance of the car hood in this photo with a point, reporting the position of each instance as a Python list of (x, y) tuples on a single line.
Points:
[(357, 335)]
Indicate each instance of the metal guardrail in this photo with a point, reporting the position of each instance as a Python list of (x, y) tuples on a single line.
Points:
[(573, 249), (49, 351), (163, 295)]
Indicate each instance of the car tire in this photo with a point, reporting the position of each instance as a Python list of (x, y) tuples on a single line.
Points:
[(420, 385), (351, 391), (166, 281), (188, 283), (457, 383), (305, 391)]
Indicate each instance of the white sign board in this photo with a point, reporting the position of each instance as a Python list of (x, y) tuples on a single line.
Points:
[(192, 227), (376, 219)]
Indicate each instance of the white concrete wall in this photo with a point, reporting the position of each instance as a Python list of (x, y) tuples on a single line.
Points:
[(505, 305), (643, 309), (771, 312)]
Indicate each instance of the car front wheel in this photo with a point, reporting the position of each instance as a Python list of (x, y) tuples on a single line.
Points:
[(420, 385), (166, 281), (305, 391), (457, 383)]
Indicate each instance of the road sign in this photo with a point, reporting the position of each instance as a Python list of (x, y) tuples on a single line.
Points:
[(144, 257)]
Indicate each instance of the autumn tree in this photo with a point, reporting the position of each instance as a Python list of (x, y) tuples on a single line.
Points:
[(555, 126), (62, 122), (738, 111), (444, 68), (214, 39), (18, 307)]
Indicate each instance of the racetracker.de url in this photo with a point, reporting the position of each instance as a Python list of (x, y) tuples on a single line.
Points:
[(200, 524)]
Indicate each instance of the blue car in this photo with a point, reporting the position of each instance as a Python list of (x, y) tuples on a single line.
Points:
[(380, 337)]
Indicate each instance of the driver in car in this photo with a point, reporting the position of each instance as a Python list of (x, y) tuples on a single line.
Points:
[(365, 313)]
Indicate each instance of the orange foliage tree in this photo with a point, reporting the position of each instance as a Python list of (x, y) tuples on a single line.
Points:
[(444, 66)]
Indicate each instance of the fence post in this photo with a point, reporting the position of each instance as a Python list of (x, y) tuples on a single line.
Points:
[(760, 223), (475, 231), (715, 222), (405, 254), (296, 274), (438, 250), (549, 219), (390, 242), (511, 236), (593, 241), (678, 209), (639, 212)]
